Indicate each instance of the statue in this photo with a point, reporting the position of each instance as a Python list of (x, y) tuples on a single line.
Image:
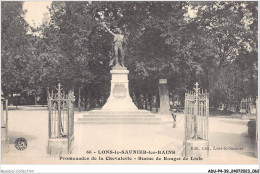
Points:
[(118, 46)]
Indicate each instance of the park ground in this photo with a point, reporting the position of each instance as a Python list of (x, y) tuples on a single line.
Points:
[(32, 124)]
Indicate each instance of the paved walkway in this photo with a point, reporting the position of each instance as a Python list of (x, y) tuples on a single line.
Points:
[(93, 139)]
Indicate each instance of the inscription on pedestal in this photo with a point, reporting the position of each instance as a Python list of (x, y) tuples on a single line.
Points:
[(119, 98), (119, 90)]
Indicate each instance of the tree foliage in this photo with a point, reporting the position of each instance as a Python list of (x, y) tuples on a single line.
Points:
[(213, 43), (15, 48)]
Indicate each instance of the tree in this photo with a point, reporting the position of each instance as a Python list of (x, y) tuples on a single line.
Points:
[(229, 33), (14, 47), (162, 41)]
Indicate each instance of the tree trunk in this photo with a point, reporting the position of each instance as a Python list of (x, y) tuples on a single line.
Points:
[(225, 107), (73, 86), (85, 99), (156, 103), (48, 94), (151, 102), (88, 98), (146, 101), (35, 99)]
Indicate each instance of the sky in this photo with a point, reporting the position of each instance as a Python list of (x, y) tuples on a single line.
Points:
[(35, 11)]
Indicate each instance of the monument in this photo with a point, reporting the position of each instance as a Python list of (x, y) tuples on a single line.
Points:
[(119, 107), (119, 99), (164, 97), (118, 42)]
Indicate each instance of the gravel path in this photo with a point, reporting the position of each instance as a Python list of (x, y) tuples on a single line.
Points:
[(33, 124)]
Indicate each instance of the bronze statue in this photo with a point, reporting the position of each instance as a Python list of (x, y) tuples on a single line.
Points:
[(118, 46)]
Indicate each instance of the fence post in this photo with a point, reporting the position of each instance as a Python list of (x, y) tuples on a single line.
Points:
[(79, 101), (185, 115), (70, 120), (6, 118), (59, 110), (196, 110), (49, 108)]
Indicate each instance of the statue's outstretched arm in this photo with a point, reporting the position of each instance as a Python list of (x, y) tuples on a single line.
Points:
[(108, 30)]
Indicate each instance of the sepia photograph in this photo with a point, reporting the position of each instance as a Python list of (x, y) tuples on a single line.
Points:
[(129, 83)]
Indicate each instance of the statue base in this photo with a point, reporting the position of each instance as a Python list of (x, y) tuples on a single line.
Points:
[(119, 108), (119, 99)]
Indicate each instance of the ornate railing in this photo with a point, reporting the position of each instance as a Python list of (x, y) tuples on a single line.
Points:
[(196, 114), (61, 115)]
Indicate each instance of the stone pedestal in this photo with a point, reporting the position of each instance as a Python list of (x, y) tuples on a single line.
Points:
[(119, 108), (119, 99), (58, 146), (164, 97), (196, 148)]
